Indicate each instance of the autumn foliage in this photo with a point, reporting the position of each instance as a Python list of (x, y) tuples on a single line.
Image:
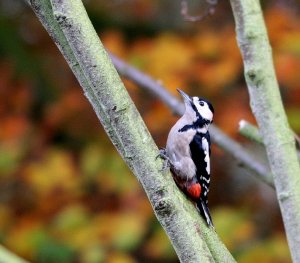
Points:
[(65, 193)]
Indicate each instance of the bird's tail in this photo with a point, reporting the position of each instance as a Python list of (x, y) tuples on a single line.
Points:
[(204, 211)]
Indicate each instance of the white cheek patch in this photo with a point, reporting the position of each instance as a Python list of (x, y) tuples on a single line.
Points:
[(203, 110), (205, 146)]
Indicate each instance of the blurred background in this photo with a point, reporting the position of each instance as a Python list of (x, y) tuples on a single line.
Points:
[(67, 196)]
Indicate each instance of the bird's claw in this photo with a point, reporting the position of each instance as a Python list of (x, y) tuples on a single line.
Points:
[(163, 155)]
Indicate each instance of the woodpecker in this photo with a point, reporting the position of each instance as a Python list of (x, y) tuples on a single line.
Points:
[(188, 152)]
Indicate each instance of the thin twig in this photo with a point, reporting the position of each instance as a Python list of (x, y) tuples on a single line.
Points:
[(297, 138), (251, 132), (222, 140), (209, 10)]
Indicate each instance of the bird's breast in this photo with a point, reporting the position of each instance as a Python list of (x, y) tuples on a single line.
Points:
[(178, 143)]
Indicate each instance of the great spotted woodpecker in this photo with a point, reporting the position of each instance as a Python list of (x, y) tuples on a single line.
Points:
[(188, 152)]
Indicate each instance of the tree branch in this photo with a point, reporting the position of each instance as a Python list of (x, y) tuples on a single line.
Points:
[(7, 256), (72, 31), (218, 137), (210, 9), (251, 132), (267, 107)]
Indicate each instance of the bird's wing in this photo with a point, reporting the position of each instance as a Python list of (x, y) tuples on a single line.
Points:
[(200, 151)]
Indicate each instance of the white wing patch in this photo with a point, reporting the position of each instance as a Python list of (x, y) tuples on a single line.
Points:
[(205, 146)]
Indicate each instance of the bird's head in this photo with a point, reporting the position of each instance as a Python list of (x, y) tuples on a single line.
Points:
[(197, 110)]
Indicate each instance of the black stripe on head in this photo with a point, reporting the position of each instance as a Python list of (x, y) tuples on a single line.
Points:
[(195, 110), (200, 122), (210, 106)]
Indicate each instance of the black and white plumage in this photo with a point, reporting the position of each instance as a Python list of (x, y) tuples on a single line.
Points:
[(188, 151)]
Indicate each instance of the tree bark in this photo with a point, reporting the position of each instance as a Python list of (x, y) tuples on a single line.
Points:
[(69, 26), (8, 256), (267, 107)]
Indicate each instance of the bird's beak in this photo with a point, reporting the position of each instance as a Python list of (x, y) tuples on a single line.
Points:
[(187, 98)]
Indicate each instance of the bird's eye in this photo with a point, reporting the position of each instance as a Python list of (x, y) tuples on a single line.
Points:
[(201, 103)]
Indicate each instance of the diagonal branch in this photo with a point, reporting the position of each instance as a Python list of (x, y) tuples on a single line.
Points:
[(267, 107), (8, 256), (222, 140), (72, 31)]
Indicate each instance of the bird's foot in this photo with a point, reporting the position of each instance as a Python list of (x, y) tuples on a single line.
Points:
[(163, 155)]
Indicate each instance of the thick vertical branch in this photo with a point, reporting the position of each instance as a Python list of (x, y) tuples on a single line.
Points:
[(69, 26), (267, 107)]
